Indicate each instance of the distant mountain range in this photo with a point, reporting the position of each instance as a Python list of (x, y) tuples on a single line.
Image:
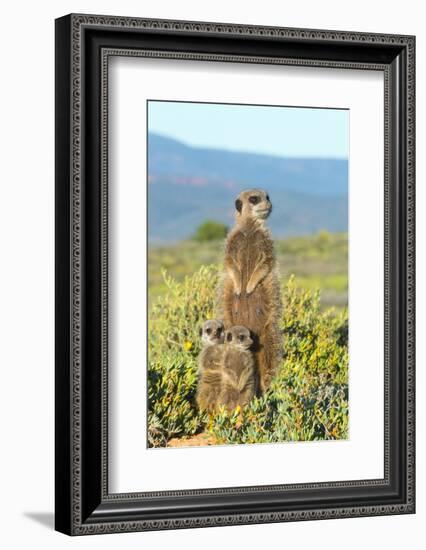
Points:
[(188, 185)]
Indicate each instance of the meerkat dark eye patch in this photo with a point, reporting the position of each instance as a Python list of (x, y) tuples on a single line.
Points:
[(241, 337), (253, 199), (208, 330), (228, 337), (238, 205)]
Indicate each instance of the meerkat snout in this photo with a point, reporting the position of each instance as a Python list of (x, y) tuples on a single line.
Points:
[(239, 337), (212, 332), (254, 203)]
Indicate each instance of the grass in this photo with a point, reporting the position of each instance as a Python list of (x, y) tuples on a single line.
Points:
[(318, 262)]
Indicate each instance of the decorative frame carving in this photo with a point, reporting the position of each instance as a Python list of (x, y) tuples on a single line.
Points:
[(84, 44)]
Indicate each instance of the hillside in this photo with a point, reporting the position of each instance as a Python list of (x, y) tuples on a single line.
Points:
[(188, 185)]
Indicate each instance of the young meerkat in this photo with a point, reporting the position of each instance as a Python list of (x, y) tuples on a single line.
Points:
[(238, 369), (249, 292), (210, 365)]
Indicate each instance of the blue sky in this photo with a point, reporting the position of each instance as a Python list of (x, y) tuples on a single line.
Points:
[(281, 131)]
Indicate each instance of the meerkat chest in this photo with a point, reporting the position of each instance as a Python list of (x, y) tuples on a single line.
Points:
[(249, 250), (211, 358), (235, 361)]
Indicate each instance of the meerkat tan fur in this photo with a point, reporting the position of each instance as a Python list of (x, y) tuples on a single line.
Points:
[(249, 292), (210, 365), (239, 375)]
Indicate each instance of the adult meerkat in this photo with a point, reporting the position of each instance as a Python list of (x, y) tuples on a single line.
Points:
[(210, 365), (249, 293), (238, 369)]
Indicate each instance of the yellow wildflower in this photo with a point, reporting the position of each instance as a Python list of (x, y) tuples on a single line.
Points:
[(188, 345)]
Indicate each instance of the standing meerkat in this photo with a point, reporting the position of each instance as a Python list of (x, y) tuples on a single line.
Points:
[(238, 369), (210, 365), (249, 292)]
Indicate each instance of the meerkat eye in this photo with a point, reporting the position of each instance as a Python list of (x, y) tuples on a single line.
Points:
[(228, 337), (208, 330), (253, 199), (241, 337)]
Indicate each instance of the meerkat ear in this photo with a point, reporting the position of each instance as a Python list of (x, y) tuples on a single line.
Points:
[(254, 338), (228, 336), (239, 205)]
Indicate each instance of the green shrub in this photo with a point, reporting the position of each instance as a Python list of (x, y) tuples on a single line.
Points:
[(307, 401), (174, 344), (210, 231)]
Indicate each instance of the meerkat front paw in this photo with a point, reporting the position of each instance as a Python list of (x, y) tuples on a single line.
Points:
[(250, 289)]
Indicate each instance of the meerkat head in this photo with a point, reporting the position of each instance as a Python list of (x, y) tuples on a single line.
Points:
[(239, 337), (253, 203), (212, 332)]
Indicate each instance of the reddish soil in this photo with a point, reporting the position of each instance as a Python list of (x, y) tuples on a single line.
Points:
[(199, 440)]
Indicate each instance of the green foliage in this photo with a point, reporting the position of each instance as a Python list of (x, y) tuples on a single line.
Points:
[(308, 399), (319, 245), (173, 338), (171, 387), (210, 231), (317, 261)]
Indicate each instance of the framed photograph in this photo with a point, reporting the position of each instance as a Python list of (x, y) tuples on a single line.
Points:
[(234, 274)]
